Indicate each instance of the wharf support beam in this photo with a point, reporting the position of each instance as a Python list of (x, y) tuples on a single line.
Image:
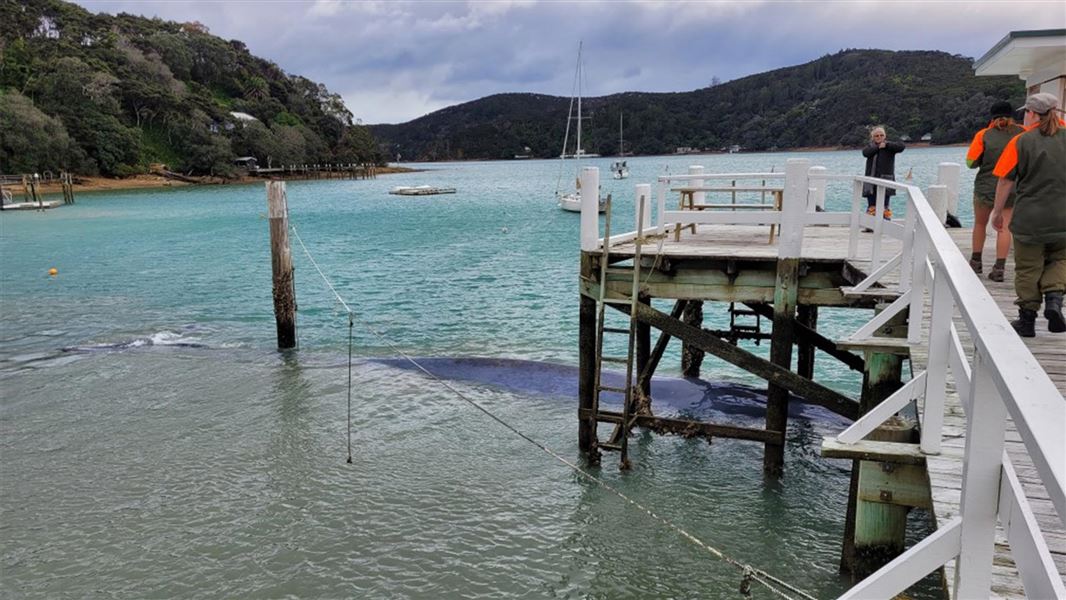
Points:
[(586, 378), (875, 525), (781, 354), (813, 393), (692, 358), (807, 336)]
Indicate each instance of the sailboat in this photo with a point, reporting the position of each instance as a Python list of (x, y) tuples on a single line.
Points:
[(571, 200), (619, 170)]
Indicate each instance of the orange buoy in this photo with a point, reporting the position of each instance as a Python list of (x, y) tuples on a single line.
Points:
[(53, 271)]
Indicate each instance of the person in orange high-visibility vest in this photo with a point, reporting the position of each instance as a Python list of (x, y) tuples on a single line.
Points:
[(1033, 165), (984, 151)]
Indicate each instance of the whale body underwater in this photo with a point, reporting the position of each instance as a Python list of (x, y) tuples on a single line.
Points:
[(687, 396)]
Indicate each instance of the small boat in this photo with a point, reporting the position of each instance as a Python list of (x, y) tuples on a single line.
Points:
[(571, 200), (420, 190), (619, 169)]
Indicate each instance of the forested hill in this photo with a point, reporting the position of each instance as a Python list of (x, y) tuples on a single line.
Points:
[(831, 101), (104, 94)]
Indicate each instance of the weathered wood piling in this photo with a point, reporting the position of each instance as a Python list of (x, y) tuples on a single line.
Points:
[(281, 264)]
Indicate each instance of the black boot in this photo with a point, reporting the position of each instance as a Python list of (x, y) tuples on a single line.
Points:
[(1025, 324), (1053, 312)]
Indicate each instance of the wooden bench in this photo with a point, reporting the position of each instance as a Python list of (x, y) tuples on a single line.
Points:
[(688, 202)]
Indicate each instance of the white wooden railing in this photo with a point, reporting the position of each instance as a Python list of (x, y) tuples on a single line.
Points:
[(1003, 379)]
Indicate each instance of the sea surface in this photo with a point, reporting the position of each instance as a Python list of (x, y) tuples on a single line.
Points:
[(154, 443)]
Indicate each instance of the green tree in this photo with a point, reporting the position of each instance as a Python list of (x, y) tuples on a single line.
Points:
[(84, 100), (33, 142)]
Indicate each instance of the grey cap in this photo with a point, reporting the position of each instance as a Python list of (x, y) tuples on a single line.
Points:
[(1041, 103)]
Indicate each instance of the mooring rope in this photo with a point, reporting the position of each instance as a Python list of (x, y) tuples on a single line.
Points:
[(748, 572), (351, 323)]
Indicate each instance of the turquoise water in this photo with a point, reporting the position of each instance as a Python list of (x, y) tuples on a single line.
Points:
[(155, 444)]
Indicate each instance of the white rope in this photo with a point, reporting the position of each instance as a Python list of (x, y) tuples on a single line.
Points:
[(767, 580), (323, 275)]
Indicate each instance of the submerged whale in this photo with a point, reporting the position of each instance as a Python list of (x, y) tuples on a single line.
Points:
[(671, 395)]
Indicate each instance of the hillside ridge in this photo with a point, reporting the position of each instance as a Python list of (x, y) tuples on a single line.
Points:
[(828, 102)]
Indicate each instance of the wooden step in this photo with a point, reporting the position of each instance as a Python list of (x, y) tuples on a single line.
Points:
[(875, 293), (887, 345)]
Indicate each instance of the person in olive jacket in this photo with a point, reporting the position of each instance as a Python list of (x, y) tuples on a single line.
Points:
[(880, 162), (1033, 165), (982, 155)]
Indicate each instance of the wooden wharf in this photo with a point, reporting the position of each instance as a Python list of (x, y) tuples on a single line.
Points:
[(33, 198), (318, 171), (992, 478)]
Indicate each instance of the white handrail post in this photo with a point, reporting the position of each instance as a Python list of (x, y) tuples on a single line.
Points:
[(590, 208), (660, 208), (643, 217), (948, 174), (794, 207), (816, 193), (879, 219), (697, 197), (856, 217), (937, 367), (938, 199), (919, 282), (910, 223), (982, 469)]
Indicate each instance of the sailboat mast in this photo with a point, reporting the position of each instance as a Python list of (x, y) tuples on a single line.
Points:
[(580, 75)]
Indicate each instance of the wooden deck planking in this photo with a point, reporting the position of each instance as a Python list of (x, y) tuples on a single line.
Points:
[(751, 242), (945, 470)]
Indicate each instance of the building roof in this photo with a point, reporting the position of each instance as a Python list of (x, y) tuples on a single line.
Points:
[(1035, 56)]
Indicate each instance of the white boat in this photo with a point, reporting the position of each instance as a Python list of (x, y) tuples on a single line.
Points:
[(619, 169), (571, 199), (420, 190)]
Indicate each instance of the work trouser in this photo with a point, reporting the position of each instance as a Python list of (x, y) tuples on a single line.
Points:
[(1038, 269)]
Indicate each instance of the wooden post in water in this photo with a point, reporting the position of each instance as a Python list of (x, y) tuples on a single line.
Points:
[(876, 521), (786, 289), (643, 354), (281, 263), (67, 181), (35, 188), (586, 345), (691, 356), (807, 315)]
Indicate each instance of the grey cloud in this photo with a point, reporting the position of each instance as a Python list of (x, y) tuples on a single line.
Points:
[(394, 61)]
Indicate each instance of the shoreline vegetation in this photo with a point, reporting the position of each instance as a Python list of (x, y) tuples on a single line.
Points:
[(83, 184)]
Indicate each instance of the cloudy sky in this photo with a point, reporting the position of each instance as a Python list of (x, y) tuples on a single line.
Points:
[(396, 61)]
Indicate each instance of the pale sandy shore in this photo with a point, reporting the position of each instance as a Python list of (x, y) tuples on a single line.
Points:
[(103, 184)]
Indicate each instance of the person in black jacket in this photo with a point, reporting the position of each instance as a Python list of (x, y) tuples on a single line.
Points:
[(880, 162)]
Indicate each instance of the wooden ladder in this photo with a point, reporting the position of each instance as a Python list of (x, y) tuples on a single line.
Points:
[(623, 420)]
